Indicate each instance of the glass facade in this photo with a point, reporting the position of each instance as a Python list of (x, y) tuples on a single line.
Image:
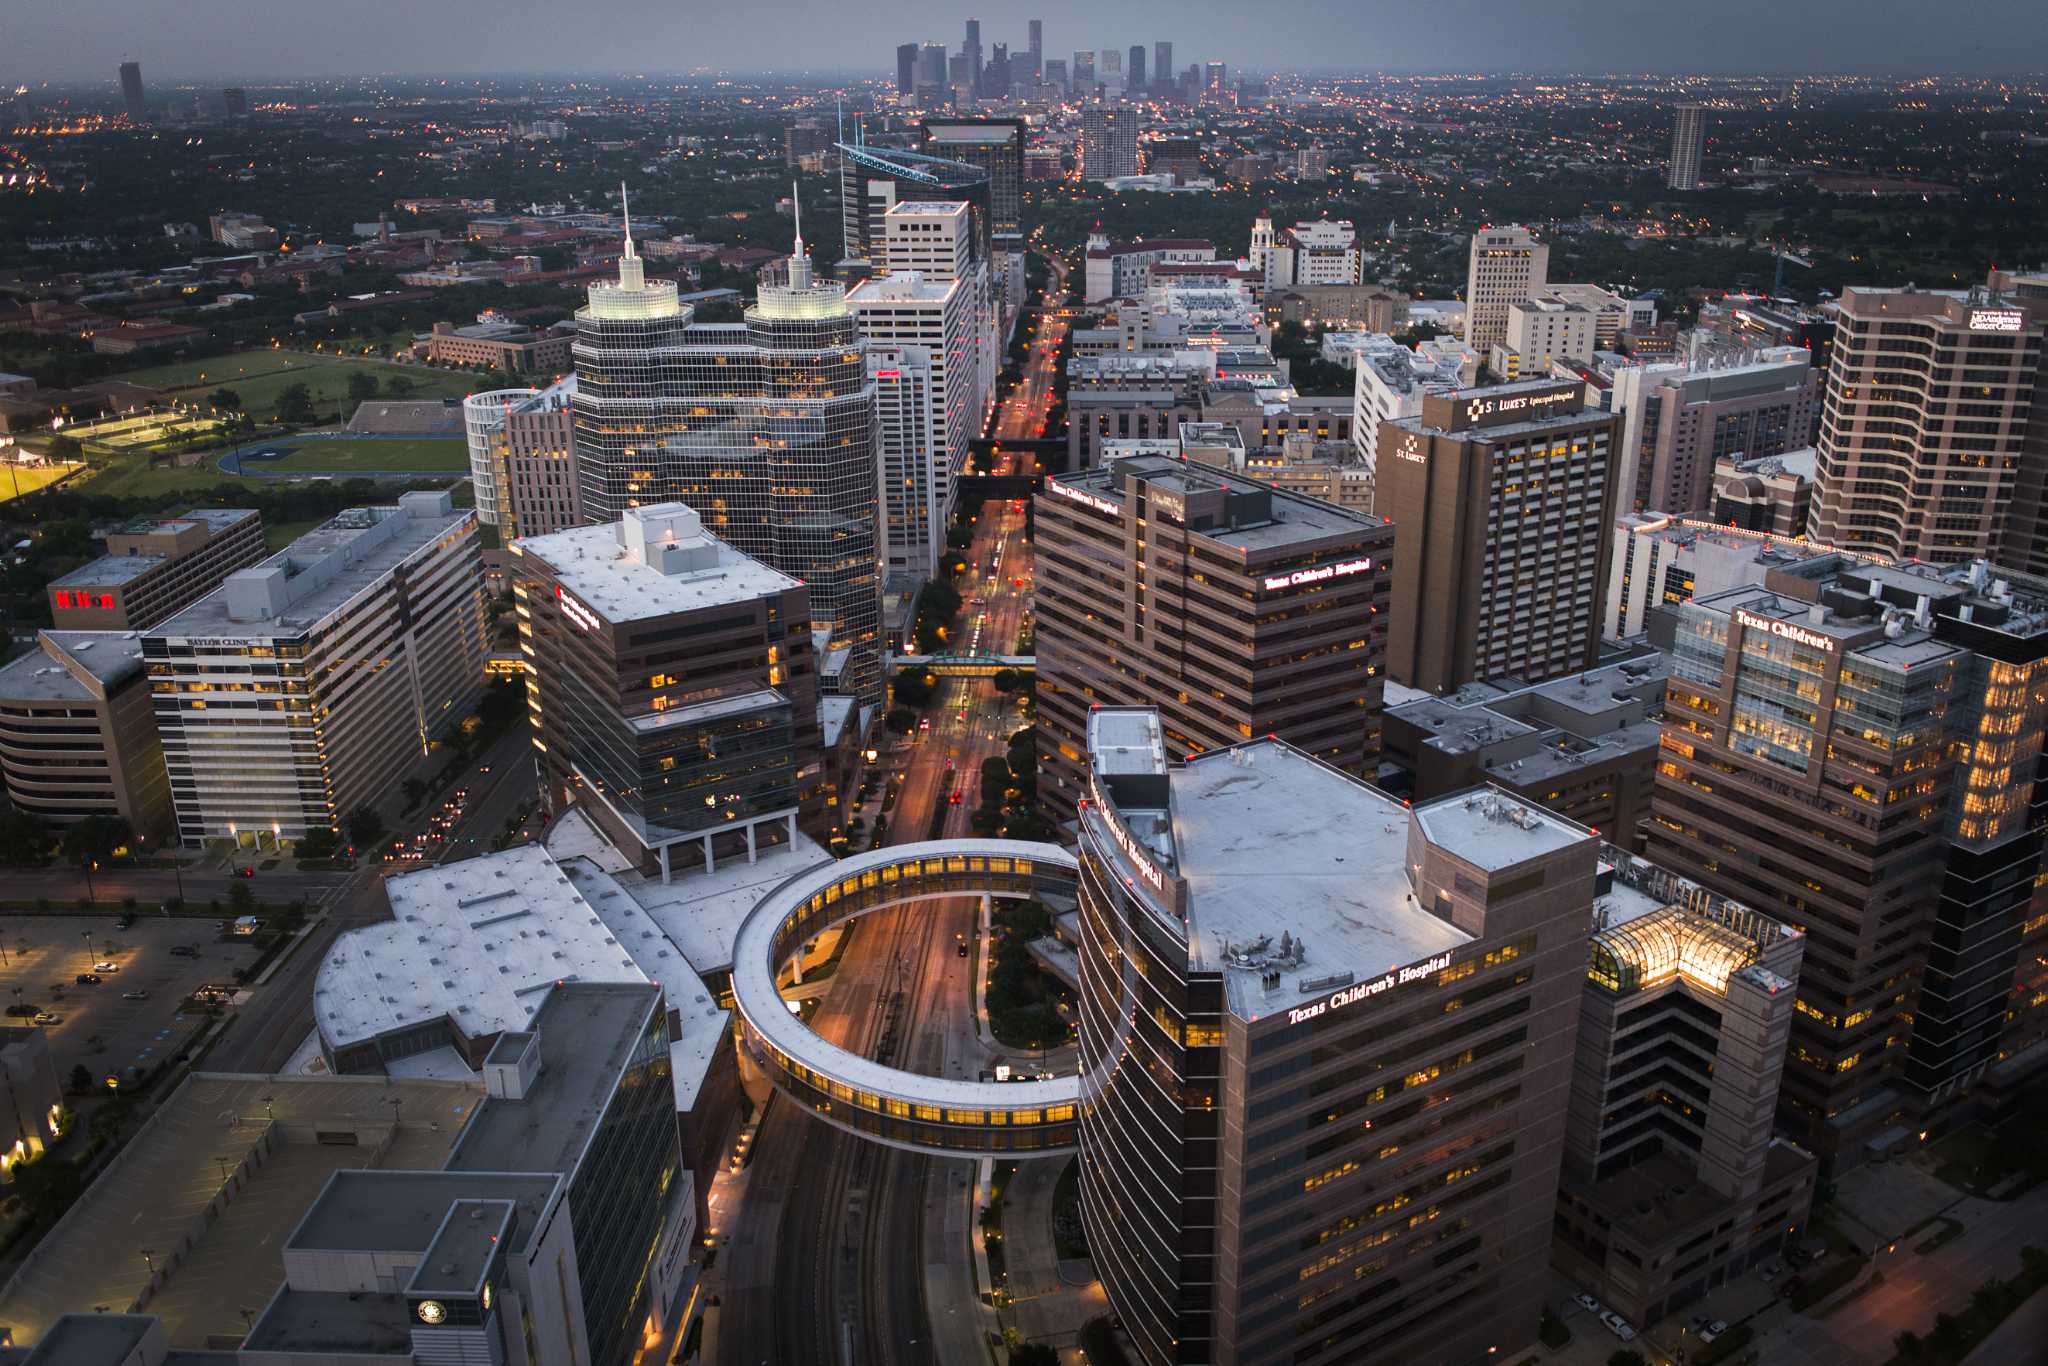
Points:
[(621, 1193), (766, 428)]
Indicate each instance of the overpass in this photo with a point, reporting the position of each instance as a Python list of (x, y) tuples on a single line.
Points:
[(965, 666), (884, 1104)]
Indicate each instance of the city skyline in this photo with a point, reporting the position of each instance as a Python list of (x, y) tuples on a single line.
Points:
[(88, 41)]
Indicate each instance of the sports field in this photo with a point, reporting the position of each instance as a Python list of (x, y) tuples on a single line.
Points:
[(16, 480), (143, 430), (358, 455), (260, 377)]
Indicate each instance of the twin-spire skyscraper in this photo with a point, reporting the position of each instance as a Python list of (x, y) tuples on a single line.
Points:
[(765, 427)]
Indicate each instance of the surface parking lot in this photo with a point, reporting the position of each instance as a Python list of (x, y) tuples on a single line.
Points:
[(41, 957)]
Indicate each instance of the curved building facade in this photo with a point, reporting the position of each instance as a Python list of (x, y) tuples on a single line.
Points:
[(1326, 1050)]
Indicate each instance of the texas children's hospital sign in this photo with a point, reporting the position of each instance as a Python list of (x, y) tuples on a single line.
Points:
[(1352, 994)]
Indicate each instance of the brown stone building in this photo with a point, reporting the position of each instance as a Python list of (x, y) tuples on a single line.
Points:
[(1239, 609), (1502, 498), (155, 567), (78, 733)]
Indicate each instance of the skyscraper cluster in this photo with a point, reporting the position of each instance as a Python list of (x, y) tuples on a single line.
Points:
[(930, 75)]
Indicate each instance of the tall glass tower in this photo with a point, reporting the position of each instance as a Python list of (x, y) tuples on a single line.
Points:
[(766, 428)]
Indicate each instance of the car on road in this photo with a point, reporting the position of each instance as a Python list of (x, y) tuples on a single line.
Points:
[(109, 966), (1589, 1304), (46, 1019), (137, 995), (954, 799), (1617, 1325), (1713, 1330), (963, 949), (89, 979), (245, 871)]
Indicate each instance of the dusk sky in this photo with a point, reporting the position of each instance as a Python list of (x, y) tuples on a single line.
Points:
[(280, 39)]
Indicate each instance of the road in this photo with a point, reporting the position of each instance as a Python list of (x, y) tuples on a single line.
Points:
[(843, 1251)]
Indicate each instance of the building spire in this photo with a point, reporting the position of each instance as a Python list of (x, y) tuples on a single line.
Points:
[(799, 263), (632, 274), (627, 210)]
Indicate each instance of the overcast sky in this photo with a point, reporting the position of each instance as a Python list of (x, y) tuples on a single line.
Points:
[(279, 39)]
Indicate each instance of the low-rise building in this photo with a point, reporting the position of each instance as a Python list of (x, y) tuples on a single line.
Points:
[(1660, 562), (1123, 270), (1584, 746), (29, 1097), (497, 344), (1769, 493), (154, 568), (309, 684), (1367, 308), (127, 338)]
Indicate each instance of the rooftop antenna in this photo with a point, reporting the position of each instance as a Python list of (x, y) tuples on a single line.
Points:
[(632, 275), (626, 210), (799, 264)]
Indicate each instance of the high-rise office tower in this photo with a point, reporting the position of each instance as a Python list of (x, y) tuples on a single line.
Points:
[(1673, 1182), (131, 91), (765, 427), (1326, 1052), (1688, 143), (1109, 68), (906, 68), (1503, 496), (522, 459), (1162, 64), (1056, 73), (1855, 748), (673, 686), (997, 147), (874, 180), (970, 53), (234, 101), (1241, 609), (1933, 469), (914, 497), (1682, 418), (995, 83), (931, 66), (1109, 142), (1507, 265), (1037, 31), (1134, 78), (1215, 78), (310, 684), (1084, 74)]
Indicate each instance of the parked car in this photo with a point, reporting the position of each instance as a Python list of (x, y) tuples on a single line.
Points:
[(89, 979), (1589, 1304), (1618, 1325), (46, 1019), (1713, 1330), (109, 966), (184, 951), (137, 995), (1771, 1272), (245, 871)]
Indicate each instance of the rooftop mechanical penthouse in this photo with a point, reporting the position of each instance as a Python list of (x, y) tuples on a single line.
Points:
[(1326, 1054)]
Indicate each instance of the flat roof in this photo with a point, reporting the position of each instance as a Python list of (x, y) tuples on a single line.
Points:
[(588, 1032), (1273, 842), (344, 1323), (479, 942), (590, 562), (1295, 521), (457, 1260), (156, 1190), (110, 571), (1490, 829), (108, 656), (362, 1209), (700, 912), (38, 677), (348, 554), (84, 1339)]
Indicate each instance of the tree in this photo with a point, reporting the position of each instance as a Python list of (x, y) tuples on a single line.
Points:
[(241, 901), (226, 399), (47, 1187), (1625, 1356), (78, 1081), (295, 404), (1006, 680), (23, 839), (414, 791), (319, 844), (365, 826), (900, 719), (912, 687), (95, 837), (398, 386), (1034, 1354), (362, 387)]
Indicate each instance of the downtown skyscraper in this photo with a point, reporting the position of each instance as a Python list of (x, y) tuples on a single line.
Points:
[(765, 427)]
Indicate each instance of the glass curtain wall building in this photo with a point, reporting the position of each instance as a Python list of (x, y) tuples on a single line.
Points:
[(765, 427)]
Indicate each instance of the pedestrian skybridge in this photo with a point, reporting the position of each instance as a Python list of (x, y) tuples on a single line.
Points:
[(885, 1104), (966, 666)]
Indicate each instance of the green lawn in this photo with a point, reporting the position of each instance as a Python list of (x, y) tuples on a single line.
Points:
[(19, 479), (369, 456), (259, 377), (131, 476)]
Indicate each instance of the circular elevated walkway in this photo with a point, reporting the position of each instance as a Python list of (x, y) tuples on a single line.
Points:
[(902, 1109)]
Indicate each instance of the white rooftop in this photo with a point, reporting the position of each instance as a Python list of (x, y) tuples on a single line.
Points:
[(657, 562), (1272, 842), (1490, 829)]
